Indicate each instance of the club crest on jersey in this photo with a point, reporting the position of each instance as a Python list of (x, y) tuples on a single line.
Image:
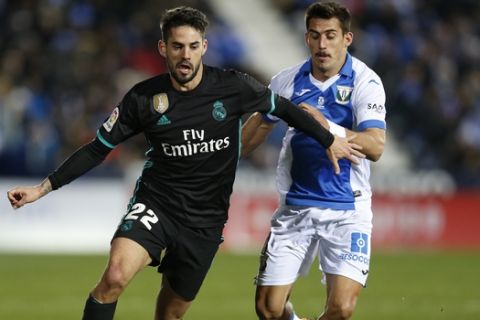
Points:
[(343, 94), (160, 102), (108, 125), (219, 112)]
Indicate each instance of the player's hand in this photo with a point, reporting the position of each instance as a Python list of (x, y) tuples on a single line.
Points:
[(20, 196), (344, 148)]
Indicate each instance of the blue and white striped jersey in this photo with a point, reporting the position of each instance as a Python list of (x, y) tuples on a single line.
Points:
[(353, 99)]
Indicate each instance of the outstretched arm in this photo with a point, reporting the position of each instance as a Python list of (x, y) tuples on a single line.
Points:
[(83, 160)]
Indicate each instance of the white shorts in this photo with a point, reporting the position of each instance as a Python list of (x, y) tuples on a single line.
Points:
[(340, 239)]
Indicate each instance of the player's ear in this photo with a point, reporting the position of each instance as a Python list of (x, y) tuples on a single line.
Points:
[(162, 48), (205, 46), (306, 38), (348, 39)]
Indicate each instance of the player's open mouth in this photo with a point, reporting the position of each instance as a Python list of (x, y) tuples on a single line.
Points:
[(184, 67)]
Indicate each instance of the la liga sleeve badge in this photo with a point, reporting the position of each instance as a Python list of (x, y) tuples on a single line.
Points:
[(108, 125)]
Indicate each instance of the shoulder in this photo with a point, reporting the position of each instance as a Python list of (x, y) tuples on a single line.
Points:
[(151, 85), (228, 74), (285, 78), (138, 100), (289, 73), (232, 78), (364, 74), (368, 87)]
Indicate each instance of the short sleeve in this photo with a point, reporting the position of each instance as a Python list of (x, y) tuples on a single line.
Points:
[(256, 97), (369, 103), (122, 123)]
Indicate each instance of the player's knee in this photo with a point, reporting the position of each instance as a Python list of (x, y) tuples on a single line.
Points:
[(340, 310), (269, 311), (114, 278)]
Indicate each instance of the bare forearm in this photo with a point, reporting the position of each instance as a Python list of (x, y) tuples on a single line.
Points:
[(45, 187), (20, 196), (254, 132), (371, 140)]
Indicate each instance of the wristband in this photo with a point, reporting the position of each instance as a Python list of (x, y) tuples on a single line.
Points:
[(337, 130)]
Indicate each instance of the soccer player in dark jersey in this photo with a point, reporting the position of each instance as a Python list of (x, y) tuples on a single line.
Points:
[(191, 118)]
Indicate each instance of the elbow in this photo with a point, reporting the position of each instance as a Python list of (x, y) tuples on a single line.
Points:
[(377, 151), (374, 157)]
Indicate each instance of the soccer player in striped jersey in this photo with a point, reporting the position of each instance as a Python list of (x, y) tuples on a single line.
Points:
[(325, 212), (191, 117)]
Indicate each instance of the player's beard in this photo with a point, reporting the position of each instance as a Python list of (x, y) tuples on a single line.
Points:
[(180, 78)]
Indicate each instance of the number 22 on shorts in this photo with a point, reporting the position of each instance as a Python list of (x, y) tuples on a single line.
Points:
[(147, 219)]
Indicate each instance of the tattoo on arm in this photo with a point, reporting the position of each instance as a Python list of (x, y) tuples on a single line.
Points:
[(45, 187)]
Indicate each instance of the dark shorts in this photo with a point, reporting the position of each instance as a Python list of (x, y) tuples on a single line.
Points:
[(188, 254)]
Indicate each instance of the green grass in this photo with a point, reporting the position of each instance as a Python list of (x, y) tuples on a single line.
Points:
[(429, 285)]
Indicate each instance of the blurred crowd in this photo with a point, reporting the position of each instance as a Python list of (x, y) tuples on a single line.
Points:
[(66, 63)]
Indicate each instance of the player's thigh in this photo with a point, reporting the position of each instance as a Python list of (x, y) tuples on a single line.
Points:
[(285, 257), (149, 227), (127, 257)]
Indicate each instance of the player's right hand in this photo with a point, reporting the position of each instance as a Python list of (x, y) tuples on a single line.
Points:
[(20, 196)]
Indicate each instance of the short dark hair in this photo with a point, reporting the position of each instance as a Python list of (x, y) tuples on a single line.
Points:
[(329, 10), (183, 16)]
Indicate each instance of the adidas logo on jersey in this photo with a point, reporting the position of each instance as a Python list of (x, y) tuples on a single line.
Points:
[(163, 121)]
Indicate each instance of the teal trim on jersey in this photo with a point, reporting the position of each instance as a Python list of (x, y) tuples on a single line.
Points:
[(272, 103), (148, 151), (105, 142), (134, 196), (148, 164)]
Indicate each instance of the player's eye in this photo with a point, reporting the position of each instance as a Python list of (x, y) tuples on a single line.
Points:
[(331, 35)]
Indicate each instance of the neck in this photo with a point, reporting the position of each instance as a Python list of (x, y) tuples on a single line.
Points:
[(323, 75)]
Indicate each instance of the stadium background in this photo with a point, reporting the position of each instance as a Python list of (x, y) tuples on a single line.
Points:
[(64, 65)]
